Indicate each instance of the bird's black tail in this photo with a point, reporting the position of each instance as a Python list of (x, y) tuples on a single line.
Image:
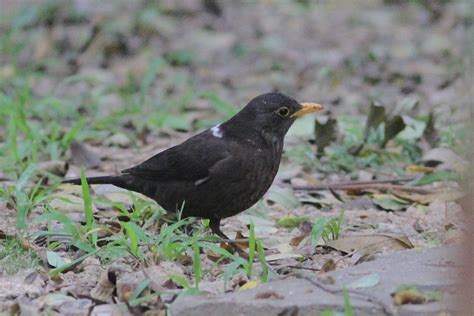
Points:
[(115, 180)]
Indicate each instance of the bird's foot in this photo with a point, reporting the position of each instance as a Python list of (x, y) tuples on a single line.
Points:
[(214, 225)]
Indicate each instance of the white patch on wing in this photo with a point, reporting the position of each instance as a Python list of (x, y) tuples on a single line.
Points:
[(201, 181), (217, 132)]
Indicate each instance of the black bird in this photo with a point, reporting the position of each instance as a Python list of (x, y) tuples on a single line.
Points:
[(221, 171)]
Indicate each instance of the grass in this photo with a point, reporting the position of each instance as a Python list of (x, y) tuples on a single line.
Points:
[(43, 128), (326, 228), (37, 128), (15, 257)]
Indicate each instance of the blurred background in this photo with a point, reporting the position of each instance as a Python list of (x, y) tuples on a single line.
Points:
[(139, 68)]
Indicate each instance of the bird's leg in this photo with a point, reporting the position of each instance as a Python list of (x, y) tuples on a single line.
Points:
[(214, 225)]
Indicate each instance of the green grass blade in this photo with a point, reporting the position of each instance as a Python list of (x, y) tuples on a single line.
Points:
[(86, 195), (317, 230), (263, 262), (23, 204), (197, 264), (251, 250), (133, 236), (139, 290), (348, 309)]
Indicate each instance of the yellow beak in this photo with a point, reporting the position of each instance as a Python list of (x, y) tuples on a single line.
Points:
[(307, 108)]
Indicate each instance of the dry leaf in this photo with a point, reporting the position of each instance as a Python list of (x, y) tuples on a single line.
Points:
[(184, 259), (295, 241), (444, 159), (428, 198), (272, 295), (248, 285), (241, 245), (105, 287), (413, 169), (280, 256), (408, 295), (367, 244), (329, 265)]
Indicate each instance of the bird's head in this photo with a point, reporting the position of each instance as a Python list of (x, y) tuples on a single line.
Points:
[(270, 114)]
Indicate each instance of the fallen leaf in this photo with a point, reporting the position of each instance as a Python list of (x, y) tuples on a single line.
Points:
[(390, 202), (329, 265), (428, 198), (283, 196), (295, 241), (284, 247), (437, 176), (272, 295), (214, 256), (55, 260), (413, 129), (54, 300), (367, 244), (444, 159), (262, 225), (290, 221), (413, 169), (118, 139), (408, 294), (105, 287), (241, 245), (281, 256), (184, 259), (366, 281), (248, 285)]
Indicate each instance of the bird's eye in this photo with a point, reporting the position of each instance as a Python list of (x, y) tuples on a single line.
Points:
[(283, 111)]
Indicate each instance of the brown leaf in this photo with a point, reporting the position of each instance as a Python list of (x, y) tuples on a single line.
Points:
[(444, 159), (241, 245), (408, 295), (329, 265), (214, 256), (428, 198), (295, 241), (105, 286), (272, 295), (367, 244), (155, 312), (184, 259)]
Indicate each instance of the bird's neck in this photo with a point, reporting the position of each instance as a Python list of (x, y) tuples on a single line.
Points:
[(245, 132)]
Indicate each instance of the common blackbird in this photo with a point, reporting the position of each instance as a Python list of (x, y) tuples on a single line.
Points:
[(221, 171)]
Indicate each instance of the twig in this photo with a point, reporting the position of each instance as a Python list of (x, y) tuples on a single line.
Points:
[(364, 186), (301, 268), (395, 180), (232, 241)]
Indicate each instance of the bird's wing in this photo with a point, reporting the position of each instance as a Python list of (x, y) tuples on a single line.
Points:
[(189, 161)]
